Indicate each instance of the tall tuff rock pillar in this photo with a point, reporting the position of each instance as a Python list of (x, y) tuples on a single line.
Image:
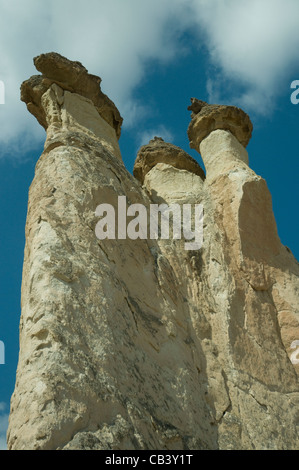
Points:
[(110, 344), (139, 343), (254, 282)]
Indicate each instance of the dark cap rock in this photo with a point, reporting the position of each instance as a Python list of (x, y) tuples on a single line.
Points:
[(71, 76), (158, 151), (206, 118)]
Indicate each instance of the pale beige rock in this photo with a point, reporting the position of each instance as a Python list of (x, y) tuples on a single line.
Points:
[(70, 76), (165, 183), (141, 344), (209, 117), (220, 152), (158, 151)]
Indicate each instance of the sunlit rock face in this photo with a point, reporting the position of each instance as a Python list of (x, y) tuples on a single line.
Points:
[(140, 343)]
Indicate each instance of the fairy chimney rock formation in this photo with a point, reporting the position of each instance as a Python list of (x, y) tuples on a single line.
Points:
[(139, 342), (66, 98)]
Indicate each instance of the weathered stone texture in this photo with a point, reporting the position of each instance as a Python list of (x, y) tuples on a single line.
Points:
[(158, 151), (207, 118), (141, 344), (70, 76)]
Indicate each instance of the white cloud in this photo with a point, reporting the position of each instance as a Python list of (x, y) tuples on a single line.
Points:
[(112, 38), (253, 42)]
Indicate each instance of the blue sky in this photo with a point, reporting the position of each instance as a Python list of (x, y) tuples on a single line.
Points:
[(152, 56)]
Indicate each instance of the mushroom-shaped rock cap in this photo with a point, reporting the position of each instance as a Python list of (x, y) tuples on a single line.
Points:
[(206, 118), (71, 76), (158, 151)]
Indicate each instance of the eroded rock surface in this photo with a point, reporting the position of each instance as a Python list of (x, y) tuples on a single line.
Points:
[(142, 344), (71, 76), (158, 151), (209, 117)]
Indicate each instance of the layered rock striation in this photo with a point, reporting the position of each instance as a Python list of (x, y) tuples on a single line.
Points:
[(139, 343)]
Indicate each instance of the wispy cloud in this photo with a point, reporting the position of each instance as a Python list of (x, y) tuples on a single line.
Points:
[(2, 406), (112, 38), (251, 46)]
